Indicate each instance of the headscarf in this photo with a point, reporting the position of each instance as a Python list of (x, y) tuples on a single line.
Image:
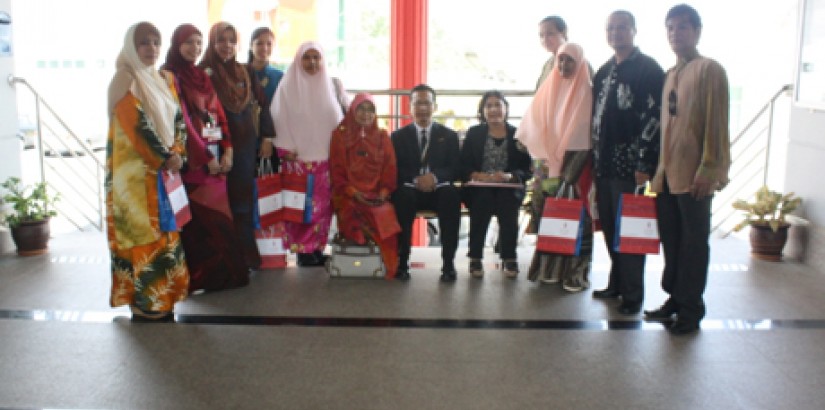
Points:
[(305, 109), (354, 128), (192, 80), (230, 78), (145, 83), (558, 118)]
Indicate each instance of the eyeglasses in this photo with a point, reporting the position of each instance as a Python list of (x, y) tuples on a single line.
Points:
[(672, 102)]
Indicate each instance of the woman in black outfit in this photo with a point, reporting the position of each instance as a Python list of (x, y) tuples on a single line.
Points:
[(490, 154)]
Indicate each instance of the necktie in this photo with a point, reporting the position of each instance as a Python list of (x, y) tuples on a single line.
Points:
[(423, 150)]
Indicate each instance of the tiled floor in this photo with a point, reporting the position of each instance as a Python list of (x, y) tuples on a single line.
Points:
[(295, 339)]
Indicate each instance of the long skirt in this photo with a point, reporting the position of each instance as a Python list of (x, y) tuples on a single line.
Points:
[(152, 277), (211, 241), (240, 183), (310, 237)]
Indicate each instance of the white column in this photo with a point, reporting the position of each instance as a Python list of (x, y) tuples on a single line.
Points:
[(10, 146)]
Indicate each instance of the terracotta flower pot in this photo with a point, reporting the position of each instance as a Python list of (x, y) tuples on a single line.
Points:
[(767, 244), (31, 238)]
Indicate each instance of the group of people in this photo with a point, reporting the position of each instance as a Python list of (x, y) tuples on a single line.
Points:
[(583, 135), (628, 125)]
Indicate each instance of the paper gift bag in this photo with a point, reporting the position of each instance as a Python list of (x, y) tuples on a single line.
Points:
[(561, 228), (385, 220), (173, 204), (270, 197), (294, 191), (270, 243), (636, 229)]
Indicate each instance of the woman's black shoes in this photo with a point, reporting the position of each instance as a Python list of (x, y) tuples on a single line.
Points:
[(316, 258)]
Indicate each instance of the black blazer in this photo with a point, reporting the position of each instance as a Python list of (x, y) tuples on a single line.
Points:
[(472, 155), (443, 157)]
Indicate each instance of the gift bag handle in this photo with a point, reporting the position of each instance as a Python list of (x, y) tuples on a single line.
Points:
[(265, 167), (562, 187)]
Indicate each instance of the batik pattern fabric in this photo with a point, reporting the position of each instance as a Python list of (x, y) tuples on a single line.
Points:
[(362, 161), (313, 236), (625, 128), (565, 268), (148, 266)]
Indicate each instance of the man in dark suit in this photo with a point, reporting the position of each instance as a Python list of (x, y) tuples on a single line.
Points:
[(427, 156)]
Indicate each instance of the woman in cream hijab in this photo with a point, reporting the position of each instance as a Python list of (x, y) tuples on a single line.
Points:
[(148, 267), (556, 129), (306, 109)]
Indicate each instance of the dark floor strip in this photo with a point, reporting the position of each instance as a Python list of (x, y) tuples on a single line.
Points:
[(598, 325)]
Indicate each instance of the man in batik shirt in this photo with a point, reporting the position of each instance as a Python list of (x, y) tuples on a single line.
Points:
[(627, 92)]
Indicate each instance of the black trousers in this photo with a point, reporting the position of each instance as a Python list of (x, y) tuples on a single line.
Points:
[(446, 203), (684, 228), (626, 270), (486, 202)]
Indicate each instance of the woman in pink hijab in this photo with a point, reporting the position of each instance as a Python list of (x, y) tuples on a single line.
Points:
[(556, 129), (306, 109)]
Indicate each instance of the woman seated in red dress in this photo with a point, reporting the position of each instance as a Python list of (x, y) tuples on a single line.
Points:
[(363, 167)]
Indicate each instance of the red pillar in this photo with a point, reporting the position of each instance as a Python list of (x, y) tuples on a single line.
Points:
[(408, 66), (408, 44)]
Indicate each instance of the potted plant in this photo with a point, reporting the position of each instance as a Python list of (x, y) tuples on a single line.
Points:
[(28, 219), (766, 217)]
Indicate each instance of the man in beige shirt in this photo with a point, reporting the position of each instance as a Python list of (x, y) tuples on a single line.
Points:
[(694, 162)]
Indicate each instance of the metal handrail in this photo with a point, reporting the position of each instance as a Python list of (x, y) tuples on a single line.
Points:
[(97, 169), (750, 158), (396, 96)]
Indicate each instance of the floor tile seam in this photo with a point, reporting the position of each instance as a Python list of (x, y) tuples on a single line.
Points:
[(91, 317)]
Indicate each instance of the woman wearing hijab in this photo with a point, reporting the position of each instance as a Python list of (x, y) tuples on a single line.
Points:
[(249, 125), (562, 140), (362, 162), (306, 110), (149, 270), (215, 261)]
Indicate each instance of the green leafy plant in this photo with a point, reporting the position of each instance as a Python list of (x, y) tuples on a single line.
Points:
[(27, 203), (769, 208)]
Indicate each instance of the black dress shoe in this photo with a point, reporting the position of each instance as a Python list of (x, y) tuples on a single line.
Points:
[(683, 327), (661, 314), (630, 308), (606, 293), (402, 275), (448, 276)]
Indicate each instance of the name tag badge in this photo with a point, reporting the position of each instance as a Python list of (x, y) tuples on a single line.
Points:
[(212, 133), (215, 149)]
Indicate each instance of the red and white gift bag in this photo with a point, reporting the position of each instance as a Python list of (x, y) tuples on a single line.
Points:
[(270, 196), (636, 229), (270, 241), (177, 197), (294, 191), (561, 229)]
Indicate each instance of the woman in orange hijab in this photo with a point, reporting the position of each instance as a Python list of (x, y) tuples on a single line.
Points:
[(363, 169), (556, 129)]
